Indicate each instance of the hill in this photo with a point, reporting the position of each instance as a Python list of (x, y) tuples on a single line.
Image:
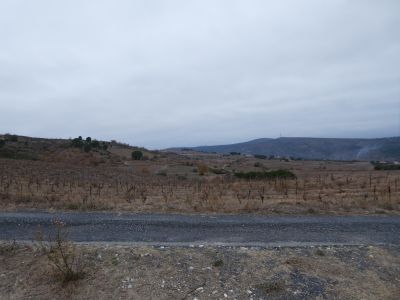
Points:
[(316, 148), (81, 151)]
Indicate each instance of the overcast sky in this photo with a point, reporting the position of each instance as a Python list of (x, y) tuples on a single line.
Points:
[(184, 73)]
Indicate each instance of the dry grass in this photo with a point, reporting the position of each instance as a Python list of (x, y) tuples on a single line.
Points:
[(176, 183)]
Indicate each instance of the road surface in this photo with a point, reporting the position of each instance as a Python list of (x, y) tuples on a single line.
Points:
[(170, 229)]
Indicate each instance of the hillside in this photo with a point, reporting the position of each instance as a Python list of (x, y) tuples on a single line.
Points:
[(82, 151), (316, 148)]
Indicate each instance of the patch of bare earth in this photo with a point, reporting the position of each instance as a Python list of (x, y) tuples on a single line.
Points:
[(123, 272)]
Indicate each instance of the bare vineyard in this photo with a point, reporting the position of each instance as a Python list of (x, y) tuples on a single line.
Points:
[(32, 184)]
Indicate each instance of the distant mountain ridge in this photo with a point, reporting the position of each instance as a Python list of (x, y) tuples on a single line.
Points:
[(316, 148)]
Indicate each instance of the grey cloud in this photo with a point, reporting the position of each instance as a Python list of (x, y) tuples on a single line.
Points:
[(167, 73)]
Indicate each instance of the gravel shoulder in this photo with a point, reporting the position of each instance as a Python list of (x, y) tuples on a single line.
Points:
[(203, 272)]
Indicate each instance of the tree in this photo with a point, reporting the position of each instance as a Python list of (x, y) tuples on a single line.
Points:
[(88, 139), (137, 155), (2, 143)]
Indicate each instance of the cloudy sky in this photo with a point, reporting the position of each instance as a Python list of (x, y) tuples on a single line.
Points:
[(172, 73)]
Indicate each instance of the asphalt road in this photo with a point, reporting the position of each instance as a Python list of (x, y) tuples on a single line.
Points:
[(169, 229)]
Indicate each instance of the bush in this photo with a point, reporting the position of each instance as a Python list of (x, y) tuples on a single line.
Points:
[(385, 166), (95, 144), (11, 137), (260, 156), (2, 143), (16, 154), (218, 171), (87, 147), (234, 153), (88, 144), (281, 174), (202, 168), (137, 155), (218, 263), (77, 143), (62, 254)]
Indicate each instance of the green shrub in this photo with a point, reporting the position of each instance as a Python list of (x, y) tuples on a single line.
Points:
[(283, 174), (218, 263), (95, 144), (137, 155), (11, 137), (87, 147), (218, 171), (88, 144), (15, 154), (385, 166)]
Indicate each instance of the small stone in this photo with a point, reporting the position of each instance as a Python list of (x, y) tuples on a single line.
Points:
[(214, 292), (129, 286), (190, 268), (201, 246), (225, 295), (249, 292)]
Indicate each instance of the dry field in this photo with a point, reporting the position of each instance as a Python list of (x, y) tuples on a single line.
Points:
[(192, 182), (123, 272)]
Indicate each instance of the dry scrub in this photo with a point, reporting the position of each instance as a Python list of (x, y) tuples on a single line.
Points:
[(199, 183)]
